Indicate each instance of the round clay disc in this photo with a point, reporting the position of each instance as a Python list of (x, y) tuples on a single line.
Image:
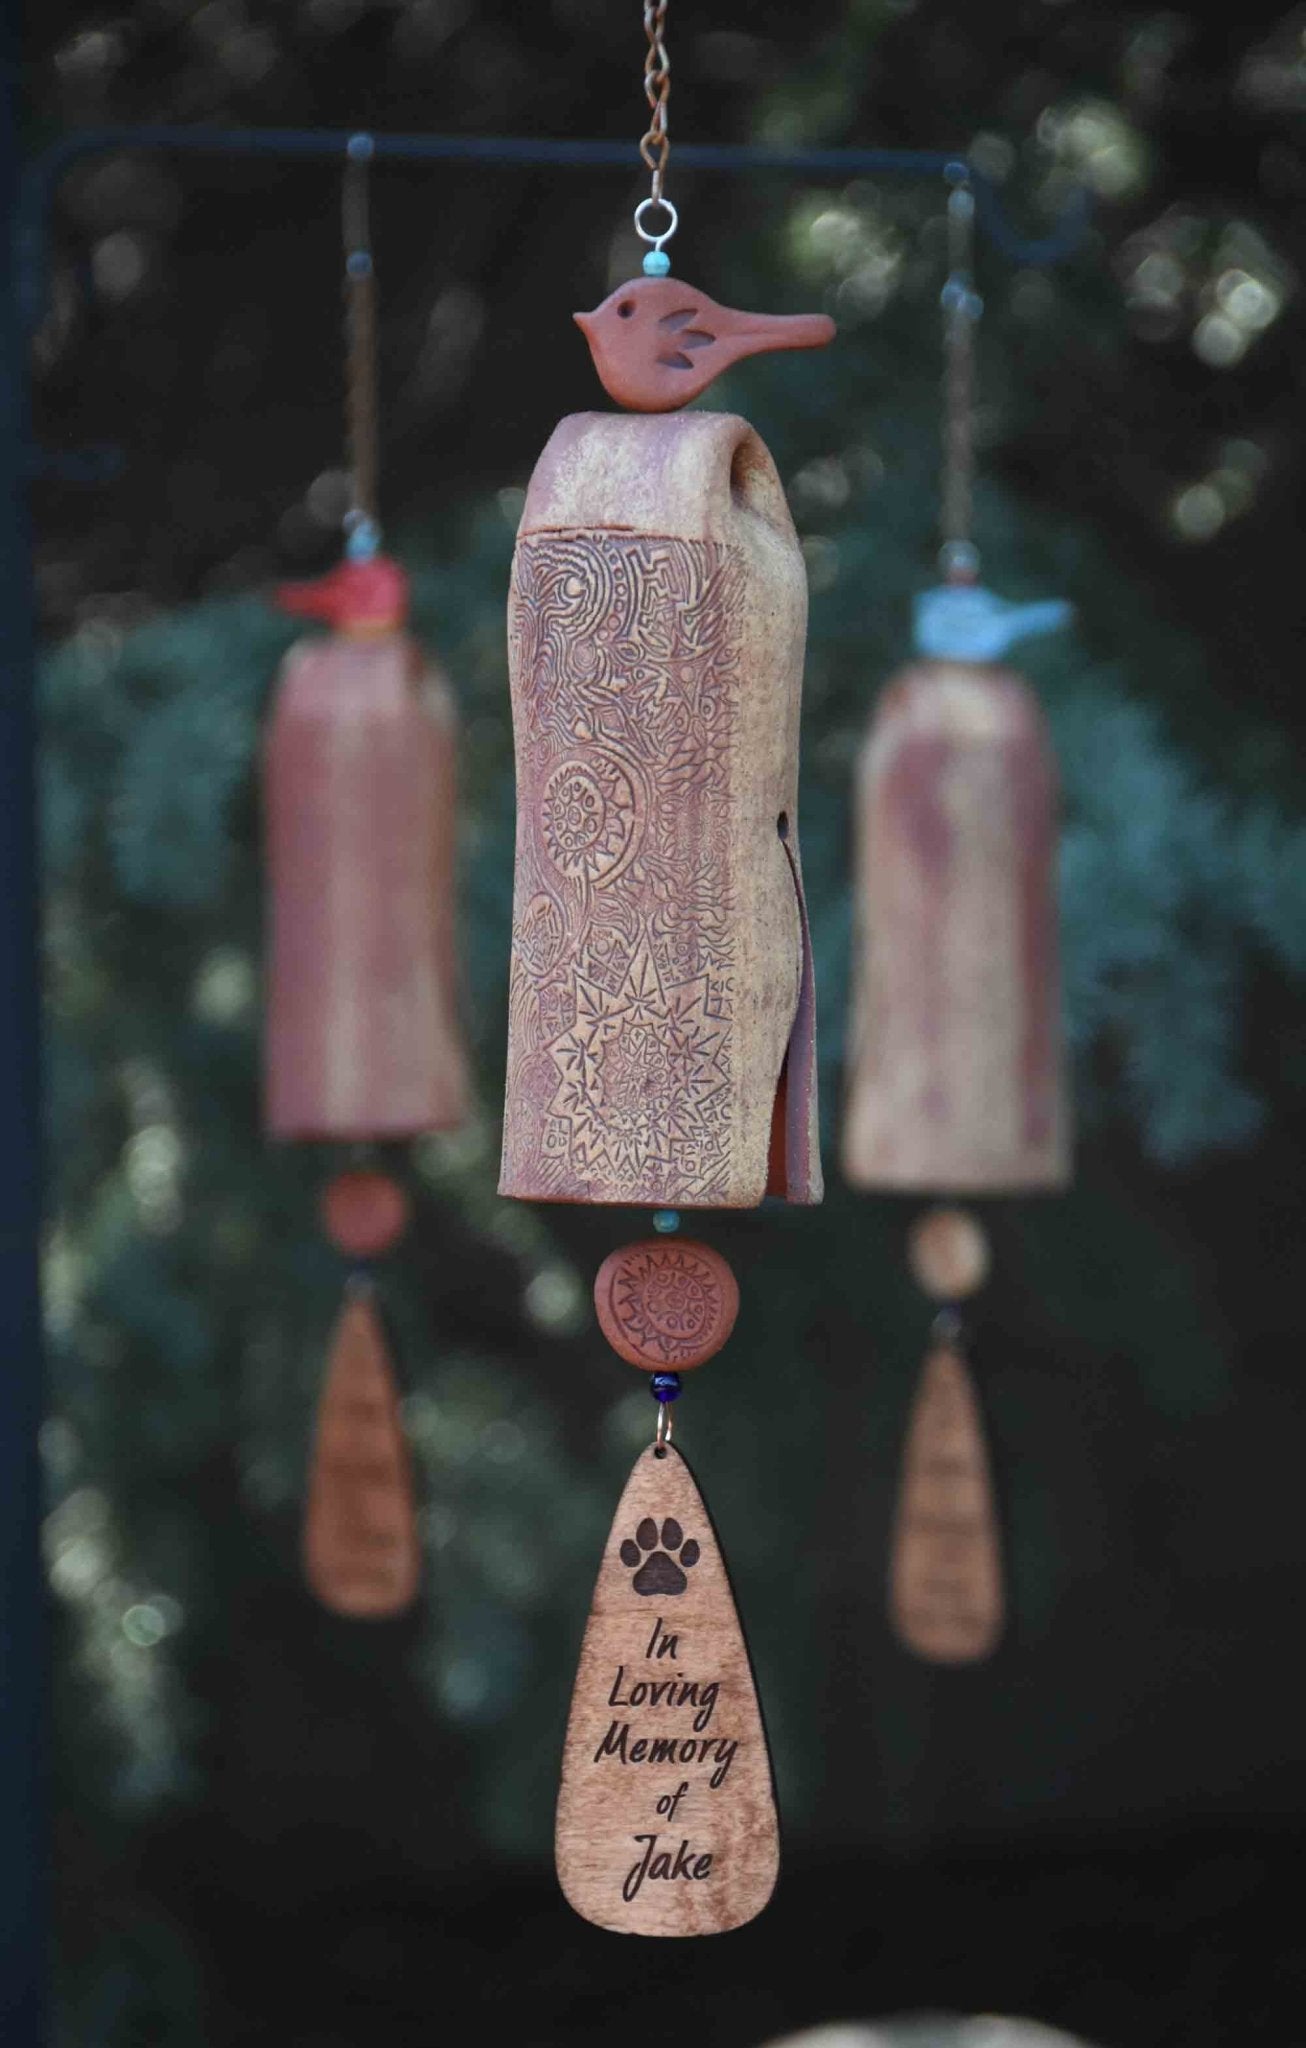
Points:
[(363, 1213), (948, 1253), (666, 1304)]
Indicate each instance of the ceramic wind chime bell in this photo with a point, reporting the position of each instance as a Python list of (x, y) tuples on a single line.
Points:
[(362, 1046), (956, 1083), (661, 1045)]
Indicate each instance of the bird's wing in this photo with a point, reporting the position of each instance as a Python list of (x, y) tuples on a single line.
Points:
[(686, 337)]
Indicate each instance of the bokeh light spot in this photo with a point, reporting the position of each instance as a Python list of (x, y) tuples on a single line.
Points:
[(1198, 512)]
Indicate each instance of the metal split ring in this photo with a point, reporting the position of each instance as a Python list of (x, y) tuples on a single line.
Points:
[(644, 233)]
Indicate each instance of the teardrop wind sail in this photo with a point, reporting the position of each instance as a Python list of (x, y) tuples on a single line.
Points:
[(945, 1593), (361, 1549), (666, 1820)]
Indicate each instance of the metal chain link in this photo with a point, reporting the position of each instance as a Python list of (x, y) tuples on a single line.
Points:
[(961, 311), (654, 146), (360, 346)]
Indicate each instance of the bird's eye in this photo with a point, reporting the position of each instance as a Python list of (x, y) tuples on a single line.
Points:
[(625, 309)]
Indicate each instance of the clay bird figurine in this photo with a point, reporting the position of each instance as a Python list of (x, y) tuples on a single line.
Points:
[(355, 597), (962, 622), (657, 343)]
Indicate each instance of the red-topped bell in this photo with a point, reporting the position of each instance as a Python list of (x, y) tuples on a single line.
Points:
[(363, 1039)]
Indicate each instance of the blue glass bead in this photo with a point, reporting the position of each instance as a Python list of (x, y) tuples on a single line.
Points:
[(665, 1386), (657, 263), (363, 541), (948, 1326), (666, 1220)]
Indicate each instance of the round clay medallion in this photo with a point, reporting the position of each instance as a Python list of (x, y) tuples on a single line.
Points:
[(363, 1213), (666, 1304), (948, 1253)]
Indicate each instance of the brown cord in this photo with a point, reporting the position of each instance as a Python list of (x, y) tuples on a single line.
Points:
[(360, 345), (654, 146), (961, 310)]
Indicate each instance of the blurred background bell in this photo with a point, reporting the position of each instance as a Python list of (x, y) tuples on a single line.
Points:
[(363, 1039), (955, 1078)]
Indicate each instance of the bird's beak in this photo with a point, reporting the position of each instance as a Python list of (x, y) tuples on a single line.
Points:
[(585, 322)]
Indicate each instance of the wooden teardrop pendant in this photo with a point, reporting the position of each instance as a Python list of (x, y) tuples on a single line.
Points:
[(361, 1552), (945, 1584), (666, 1813)]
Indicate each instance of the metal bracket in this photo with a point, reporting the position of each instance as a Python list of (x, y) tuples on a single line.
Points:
[(43, 174)]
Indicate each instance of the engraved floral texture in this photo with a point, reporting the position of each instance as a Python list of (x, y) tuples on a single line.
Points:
[(625, 663), (541, 934), (669, 1302), (590, 817), (642, 1085), (666, 1306), (609, 624)]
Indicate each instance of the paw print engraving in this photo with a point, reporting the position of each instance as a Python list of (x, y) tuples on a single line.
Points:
[(660, 1558)]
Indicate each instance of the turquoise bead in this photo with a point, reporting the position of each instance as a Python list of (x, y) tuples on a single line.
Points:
[(364, 541), (657, 263)]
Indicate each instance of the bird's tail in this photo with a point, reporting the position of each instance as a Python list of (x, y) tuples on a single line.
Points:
[(755, 332)]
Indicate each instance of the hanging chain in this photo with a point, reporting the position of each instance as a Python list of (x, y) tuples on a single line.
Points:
[(654, 146), (360, 352), (962, 307)]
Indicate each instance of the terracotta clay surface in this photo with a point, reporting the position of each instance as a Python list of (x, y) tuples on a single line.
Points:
[(955, 1065), (948, 1253), (659, 968), (666, 1813), (667, 1304), (364, 1213), (361, 1552), (945, 1582), (362, 1037), (657, 343)]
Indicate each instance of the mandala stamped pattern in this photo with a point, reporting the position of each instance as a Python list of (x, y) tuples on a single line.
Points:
[(625, 666), (591, 818)]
